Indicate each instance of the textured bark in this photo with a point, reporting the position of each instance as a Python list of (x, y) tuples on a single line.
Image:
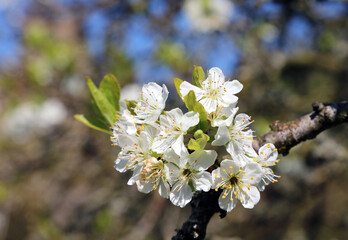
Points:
[(284, 136), (204, 205)]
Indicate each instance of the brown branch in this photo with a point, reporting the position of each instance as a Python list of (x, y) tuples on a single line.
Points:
[(284, 136), (287, 135)]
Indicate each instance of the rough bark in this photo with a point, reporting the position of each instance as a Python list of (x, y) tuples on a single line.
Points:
[(204, 205), (284, 136)]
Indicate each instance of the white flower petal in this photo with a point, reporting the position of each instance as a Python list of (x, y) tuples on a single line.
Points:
[(126, 140), (202, 160), (136, 175), (216, 175), (171, 156), (152, 103), (253, 173), (165, 93), (186, 87), (229, 120), (152, 131), (145, 141), (222, 136), (228, 165), (234, 149), (268, 154), (233, 87), (179, 146), (250, 198), (209, 104), (145, 186), (242, 119), (163, 188), (190, 119), (174, 114), (172, 173), (216, 74), (160, 144), (121, 165), (181, 194), (227, 202), (203, 181), (227, 99)]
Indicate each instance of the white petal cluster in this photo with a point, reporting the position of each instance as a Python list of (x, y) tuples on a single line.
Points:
[(187, 174), (175, 153), (214, 91), (173, 128), (152, 103)]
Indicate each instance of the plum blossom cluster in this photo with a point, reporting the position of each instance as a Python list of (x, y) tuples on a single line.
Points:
[(178, 153)]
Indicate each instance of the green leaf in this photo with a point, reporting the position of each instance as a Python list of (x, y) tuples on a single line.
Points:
[(177, 83), (107, 110), (198, 75), (111, 89), (93, 122), (198, 144), (193, 105)]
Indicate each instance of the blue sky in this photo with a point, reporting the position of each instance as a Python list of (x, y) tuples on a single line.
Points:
[(140, 40)]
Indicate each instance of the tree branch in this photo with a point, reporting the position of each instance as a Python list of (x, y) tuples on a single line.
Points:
[(284, 136), (287, 135)]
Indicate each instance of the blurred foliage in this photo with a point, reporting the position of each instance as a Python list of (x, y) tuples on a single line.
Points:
[(56, 176)]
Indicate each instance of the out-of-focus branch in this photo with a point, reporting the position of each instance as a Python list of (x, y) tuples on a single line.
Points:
[(284, 136)]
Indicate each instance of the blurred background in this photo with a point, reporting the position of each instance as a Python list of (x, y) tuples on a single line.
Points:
[(56, 175)]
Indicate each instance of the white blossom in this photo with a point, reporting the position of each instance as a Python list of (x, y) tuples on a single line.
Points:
[(174, 125), (135, 149), (208, 15), (214, 91), (125, 125), (218, 117), (187, 174), (151, 175), (152, 103), (267, 157), (237, 182), (234, 133), (154, 145)]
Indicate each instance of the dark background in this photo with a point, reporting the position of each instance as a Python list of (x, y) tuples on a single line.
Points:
[(56, 176)]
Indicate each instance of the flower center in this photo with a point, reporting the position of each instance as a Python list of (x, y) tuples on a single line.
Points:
[(233, 180), (186, 172)]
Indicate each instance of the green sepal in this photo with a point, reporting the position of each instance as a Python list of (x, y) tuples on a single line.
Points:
[(107, 110), (131, 104), (177, 83), (154, 154), (93, 122), (193, 105), (198, 76), (110, 88), (199, 143)]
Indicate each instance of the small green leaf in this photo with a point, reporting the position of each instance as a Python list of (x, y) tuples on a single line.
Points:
[(177, 83), (111, 89), (198, 76), (93, 122), (107, 110), (131, 105), (193, 105), (198, 144)]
